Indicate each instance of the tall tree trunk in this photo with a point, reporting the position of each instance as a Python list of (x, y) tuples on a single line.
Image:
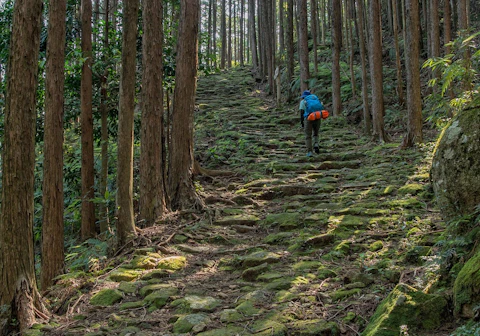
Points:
[(223, 33), (214, 37), (290, 48), (253, 35), (337, 45), (229, 43), (125, 222), (434, 33), (242, 32), (313, 20), (363, 58), (324, 20), (209, 32), (447, 25), (398, 61), (18, 290), (88, 173), (462, 15), (412, 65), (281, 30), (349, 17), (52, 223), (182, 191), (102, 207), (270, 46), (152, 186), (303, 44), (376, 71)]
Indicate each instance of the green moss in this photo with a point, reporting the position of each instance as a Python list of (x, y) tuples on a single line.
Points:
[(247, 308), (466, 289), (389, 190), (123, 274), (314, 327), (286, 221), (269, 328), (376, 246), (172, 263), (131, 305), (407, 306), (186, 323), (302, 266), (227, 331), (411, 189), (106, 297), (342, 294)]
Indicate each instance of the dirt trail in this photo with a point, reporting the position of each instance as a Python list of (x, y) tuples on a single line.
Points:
[(289, 245)]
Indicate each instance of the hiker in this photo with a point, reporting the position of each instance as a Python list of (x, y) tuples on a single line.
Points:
[(309, 104)]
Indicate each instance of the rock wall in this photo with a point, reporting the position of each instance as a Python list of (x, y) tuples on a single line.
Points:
[(455, 169)]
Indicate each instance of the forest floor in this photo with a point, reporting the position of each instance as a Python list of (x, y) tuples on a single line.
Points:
[(287, 245)]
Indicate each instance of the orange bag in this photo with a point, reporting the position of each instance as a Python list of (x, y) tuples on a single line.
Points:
[(318, 115)]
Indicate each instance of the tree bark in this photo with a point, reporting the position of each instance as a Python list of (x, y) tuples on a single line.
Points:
[(313, 21), (303, 44), (102, 207), (376, 71), (337, 45), (182, 191), (18, 290), (253, 35), (86, 93), (223, 33), (52, 223), (398, 61), (152, 186), (125, 221), (363, 58), (242, 32), (447, 26), (290, 48), (412, 64)]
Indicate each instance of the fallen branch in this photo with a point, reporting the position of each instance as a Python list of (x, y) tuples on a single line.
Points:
[(199, 170)]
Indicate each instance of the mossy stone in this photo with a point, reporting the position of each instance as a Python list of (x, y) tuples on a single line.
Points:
[(123, 274), (466, 290), (269, 328), (376, 246), (306, 265), (202, 304), (173, 263), (286, 221), (250, 274), (270, 276), (407, 306), (324, 273), (411, 189), (230, 315), (186, 323), (260, 257), (106, 297), (131, 305), (280, 284), (247, 308), (278, 238), (314, 327), (144, 262), (158, 298), (342, 294), (162, 287), (128, 287)]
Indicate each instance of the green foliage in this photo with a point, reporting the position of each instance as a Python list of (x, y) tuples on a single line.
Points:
[(457, 82), (88, 256), (470, 329)]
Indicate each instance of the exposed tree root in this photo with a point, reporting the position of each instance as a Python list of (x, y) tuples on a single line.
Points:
[(199, 170)]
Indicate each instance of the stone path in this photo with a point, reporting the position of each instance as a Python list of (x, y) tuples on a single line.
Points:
[(289, 245)]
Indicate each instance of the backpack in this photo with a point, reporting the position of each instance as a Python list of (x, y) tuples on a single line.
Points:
[(312, 104)]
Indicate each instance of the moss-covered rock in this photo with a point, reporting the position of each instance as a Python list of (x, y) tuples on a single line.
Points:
[(106, 297), (341, 294), (227, 331), (250, 274), (284, 221), (269, 328), (173, 263), (123, 274), (411, 189), (202, 304), (314, 328), (165, 288), (186, 323), (131, 305), (456, 164), (466, 290), (247, 308), (260, 257), (407, 306), (230, 315)]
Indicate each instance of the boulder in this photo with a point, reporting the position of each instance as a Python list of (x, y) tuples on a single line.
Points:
[(456, 165), (466, 290), (407, 306)]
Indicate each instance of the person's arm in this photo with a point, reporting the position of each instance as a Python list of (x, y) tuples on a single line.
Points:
[(302, 111)]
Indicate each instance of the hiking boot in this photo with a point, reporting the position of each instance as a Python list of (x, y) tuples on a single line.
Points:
[(316, 149), (309, 154)]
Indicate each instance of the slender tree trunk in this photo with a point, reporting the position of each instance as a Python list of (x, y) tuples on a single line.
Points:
[(313, 20), (102, 208), (462, 15), (290, 48), (376, 71), (229, 43), (337, 45), (303, 43), (242, 32), (152, 186), (412, 66), (398, 62), (349, 17), (209, 32), (324, 20), (281, 21), (434, 33), (253, 35), (18, 289), (447, 26), (88, 173), (363, 58), (52, 224), (125, 222), (214, 37), (182, 190), (223, 32)]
